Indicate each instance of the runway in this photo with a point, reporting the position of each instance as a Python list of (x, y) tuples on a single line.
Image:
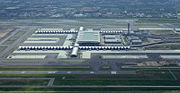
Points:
[(67, 72)]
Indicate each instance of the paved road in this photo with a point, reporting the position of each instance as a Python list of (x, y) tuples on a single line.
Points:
[(67, 72), (51, 82)]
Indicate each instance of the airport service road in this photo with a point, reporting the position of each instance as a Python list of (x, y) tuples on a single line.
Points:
[(67, 72)]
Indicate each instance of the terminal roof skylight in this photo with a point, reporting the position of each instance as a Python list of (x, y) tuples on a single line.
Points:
[(89, 36)]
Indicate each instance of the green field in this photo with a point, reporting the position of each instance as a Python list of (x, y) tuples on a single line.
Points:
[(105, 68), (91, 90), (170, 46), (44, 68), (158, 20), (162, 32), (133, 91), (23, 82), (148, 77), (2, 48)]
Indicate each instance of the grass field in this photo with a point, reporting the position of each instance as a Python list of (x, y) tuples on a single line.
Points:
[(105, 68), (158, 20), (2, 48), (44, 68), (170, 46), (162, 32), (155, 91), (23, 82), (148, 77), (92, 90)]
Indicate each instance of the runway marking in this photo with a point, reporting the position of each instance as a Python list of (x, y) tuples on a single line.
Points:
[(69, 72), (51, 72), (91, 72), (113, 72), (23, 72), (51, 81)]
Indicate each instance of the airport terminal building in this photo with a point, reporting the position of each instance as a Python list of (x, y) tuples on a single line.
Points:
[(88, 38)]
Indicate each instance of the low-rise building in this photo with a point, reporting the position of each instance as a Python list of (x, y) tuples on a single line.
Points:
[(112, 40), (136, 42)]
